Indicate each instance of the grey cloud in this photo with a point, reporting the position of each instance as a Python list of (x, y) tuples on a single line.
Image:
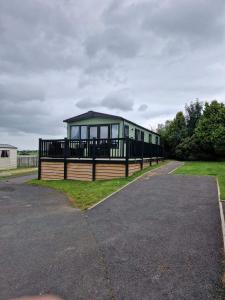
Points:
[(29, 117), (115, 40), (21, 91), (143, 107), (37, 35), (144, 59), (117, 101), (157, 113), (191, 21), (86, 104), (99, 65)]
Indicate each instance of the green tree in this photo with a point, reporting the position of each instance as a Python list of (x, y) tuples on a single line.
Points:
[(210, 131), (173, 133), (193, 113), (198, 135), (189, 149)]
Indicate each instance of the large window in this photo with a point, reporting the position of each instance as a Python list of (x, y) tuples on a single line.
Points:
[(114, 131), (150, 138), (93, 132), (4, 153), (75, 132), (104, 132), (83, 132), (126, 131), (142, 136)]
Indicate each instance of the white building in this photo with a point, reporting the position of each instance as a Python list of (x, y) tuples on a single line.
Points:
[(8, 157)]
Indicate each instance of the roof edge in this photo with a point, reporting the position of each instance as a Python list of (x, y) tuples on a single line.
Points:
[(7, 146)]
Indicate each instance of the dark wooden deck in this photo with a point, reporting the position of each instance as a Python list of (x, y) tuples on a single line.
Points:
[(94, 159)]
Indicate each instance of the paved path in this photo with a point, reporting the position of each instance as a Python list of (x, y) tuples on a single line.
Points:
[(19, 179), (159, 238)]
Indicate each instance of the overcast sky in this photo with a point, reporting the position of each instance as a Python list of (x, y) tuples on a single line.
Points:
[(139, 59)]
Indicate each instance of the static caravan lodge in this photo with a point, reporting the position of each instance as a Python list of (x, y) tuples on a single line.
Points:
[(98, 146), (104, 126), (8, 157)]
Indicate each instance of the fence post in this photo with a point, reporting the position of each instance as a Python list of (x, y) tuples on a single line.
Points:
[(39, 158), (65, 157), (127, 157), (93, 160)]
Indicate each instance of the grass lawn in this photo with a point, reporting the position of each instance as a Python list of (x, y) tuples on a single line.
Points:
[(84, 194), (16, 172), (205, 168)]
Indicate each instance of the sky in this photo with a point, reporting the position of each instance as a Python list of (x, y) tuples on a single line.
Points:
[(142, 60)]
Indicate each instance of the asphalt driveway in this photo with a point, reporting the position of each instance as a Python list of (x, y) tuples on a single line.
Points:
[(159, 238)]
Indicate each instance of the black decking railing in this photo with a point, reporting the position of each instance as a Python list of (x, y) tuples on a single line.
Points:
[(98, 148)]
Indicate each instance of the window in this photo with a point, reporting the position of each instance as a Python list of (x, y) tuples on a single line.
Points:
[(83, 132), (104, 132), (150, 138), (114, 131), (142, 135), (4, 153), (75, 132), (126, 131), (93, 133), (157, 140), (137, 135)]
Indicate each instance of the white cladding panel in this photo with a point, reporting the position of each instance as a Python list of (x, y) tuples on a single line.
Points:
[(8, 162)]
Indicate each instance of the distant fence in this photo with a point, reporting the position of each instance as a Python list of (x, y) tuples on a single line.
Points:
[(27, 161)]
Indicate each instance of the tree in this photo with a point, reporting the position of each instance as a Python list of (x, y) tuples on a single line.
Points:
[(188, 149), (210, 131), (173, 133), (193, 113), (198, 135)]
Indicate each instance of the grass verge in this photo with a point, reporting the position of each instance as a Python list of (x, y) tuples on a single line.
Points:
[(16, 172), (205, 168), (84, 194)]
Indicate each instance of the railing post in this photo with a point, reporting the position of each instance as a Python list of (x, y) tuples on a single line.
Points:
[(127, 156), (93, 161), (65, 157), (142, 154), (150, 154), (157, 154), (39, 158)]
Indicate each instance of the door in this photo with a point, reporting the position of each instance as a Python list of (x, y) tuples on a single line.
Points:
[(99, 131)]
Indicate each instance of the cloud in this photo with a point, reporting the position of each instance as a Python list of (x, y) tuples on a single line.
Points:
[(118, 102), (187, 21), (141, 59), (25, 118), (37, 36), (115, 40), (86, 104), (143, 107), (21, 91)]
